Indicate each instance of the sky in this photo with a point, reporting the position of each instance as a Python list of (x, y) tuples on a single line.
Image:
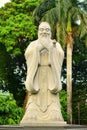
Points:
[(2, 2)]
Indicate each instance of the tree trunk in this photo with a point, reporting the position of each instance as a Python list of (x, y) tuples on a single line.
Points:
[(69, 75)]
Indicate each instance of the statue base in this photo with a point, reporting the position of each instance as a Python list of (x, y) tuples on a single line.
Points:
[(43, 126), (44, 123)]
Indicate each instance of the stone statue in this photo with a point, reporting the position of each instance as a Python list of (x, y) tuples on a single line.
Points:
[(44, 59)]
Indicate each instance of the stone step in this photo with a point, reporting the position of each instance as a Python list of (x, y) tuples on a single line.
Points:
[(44, 127)]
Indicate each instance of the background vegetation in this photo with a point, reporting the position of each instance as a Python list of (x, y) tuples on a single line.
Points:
[(19, 21), (10, 113)]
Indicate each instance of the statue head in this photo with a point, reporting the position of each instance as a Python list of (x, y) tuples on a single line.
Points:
[(44, 30)]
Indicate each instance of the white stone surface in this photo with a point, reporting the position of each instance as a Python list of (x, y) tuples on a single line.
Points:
[(44, 59)]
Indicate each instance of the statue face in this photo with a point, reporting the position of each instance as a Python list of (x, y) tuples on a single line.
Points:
[(44, 30)]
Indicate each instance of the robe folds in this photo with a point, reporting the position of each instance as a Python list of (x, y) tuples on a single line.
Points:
[(43, 81), (32, 56)]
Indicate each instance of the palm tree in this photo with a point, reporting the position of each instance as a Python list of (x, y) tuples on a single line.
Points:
[(62, 15), (69, 41)]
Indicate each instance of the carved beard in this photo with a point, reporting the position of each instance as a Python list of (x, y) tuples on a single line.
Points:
[(45, 40)]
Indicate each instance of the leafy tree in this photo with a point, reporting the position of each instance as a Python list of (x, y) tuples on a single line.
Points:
[(10, 113), (16, 27), (17, 30)]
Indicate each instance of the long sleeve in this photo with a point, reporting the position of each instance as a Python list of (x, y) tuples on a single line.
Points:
[(31, 56), (56, 59)]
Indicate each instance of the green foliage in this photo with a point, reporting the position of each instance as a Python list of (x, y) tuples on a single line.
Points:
[(80, 82), (3, 63), (17, 31), (10, 113), (16, 24), (63, 101), (57, 12), (14, 29), (69, 27)]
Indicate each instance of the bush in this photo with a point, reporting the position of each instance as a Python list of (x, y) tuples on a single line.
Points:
[(63, 101), (10, 113)]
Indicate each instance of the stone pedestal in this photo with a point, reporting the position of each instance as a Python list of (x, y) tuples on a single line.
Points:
[(44, 126)]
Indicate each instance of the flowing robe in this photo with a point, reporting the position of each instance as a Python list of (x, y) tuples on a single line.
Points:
[(43, 81)]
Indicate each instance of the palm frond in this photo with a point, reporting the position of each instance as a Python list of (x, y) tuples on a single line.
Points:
[(56, 13), (42, 8)]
